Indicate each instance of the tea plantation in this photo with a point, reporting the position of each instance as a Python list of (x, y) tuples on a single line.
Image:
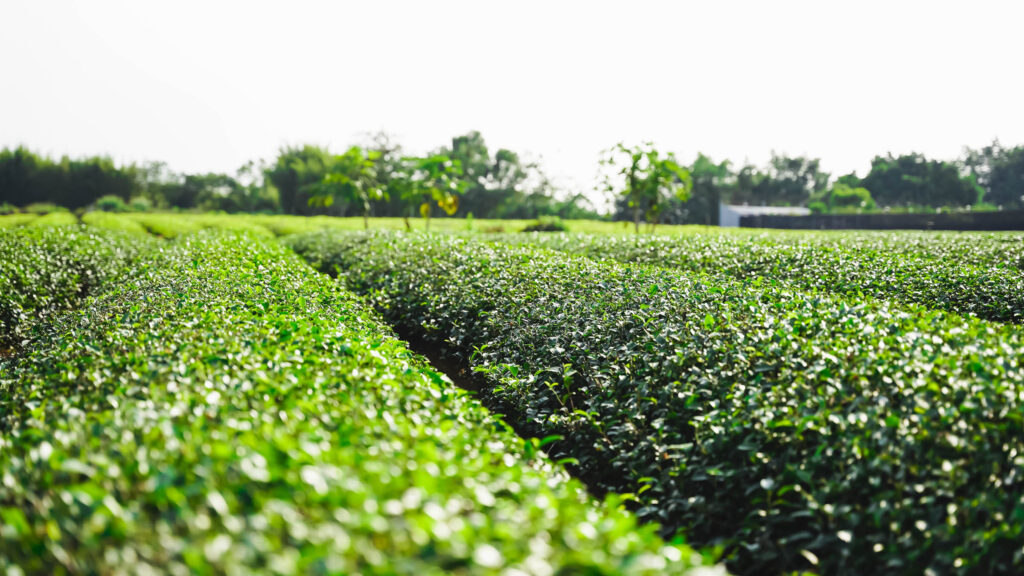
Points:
[(797, 427), (216, 394)]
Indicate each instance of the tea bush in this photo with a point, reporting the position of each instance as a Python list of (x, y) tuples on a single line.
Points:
[(938, 276), (51, 268), (797, 430), (223, 408), (15, 220), (113, 221), (63, 218)]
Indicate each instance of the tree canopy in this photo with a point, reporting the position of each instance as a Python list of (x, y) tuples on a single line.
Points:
[(648, 184)]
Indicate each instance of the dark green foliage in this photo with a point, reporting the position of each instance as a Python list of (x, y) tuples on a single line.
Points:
[(979, 274), (999, 170), (546, 224), (912, 179), (223, 408), (797, 430), (51, 268), (295, 172), (504, 185), (1006, 181), (785, 181), (111, 203), (647, 178), (842, 198), (27, 178)]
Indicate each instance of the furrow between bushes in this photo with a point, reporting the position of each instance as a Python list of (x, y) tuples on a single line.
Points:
[(223, 408), (797, 430)]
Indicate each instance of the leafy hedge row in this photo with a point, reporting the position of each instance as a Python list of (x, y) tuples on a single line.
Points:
[(50, 268), (991, 249), (113, 221), (794, 429), (59, 218), (172, 225), (937, 277), (15, 220), (223, 408)]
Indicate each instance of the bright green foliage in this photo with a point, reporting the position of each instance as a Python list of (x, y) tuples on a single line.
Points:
[(41, 208), (51, 268), (167, 225), (174, 225), (429, 180), (647, 178), (223, 408), (800, 431), (113, 221), (59, 218), (974, 274), (352, 177), (15, 220)]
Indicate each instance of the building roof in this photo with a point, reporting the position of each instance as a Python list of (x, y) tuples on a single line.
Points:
[(762, 210)]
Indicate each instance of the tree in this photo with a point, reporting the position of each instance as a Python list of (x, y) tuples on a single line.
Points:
[(295, 173), (913, 180), (424, 181), (1006, 181), (352, 177), (786, 181), (206, 191), (27, 178), (842, 197), (19, 169), (711, 182), (155, 182), (646, 178), (999, 171), (254, 194), (470, 151), (496, 186)]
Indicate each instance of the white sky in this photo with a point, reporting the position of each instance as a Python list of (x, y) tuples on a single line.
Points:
[(206, 86)]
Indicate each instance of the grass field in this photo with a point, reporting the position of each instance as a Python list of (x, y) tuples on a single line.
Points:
[(203, 393), (173, 224)]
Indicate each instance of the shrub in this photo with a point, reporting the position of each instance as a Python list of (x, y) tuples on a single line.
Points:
[(111, 203), (971, 274), (140, 204), (221, 407), (41, 208), (797, 430), (48, 269), (547, 224)]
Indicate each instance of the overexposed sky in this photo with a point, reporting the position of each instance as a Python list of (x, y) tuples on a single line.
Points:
[(206, 86)]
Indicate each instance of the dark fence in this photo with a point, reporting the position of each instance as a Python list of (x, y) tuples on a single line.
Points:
[(1004, 220)]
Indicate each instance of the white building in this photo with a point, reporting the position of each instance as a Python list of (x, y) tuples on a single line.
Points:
[(729, 215)]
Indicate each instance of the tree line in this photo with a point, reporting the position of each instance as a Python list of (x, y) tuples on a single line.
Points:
[(989, 178), (464, 177), (375, 179)]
